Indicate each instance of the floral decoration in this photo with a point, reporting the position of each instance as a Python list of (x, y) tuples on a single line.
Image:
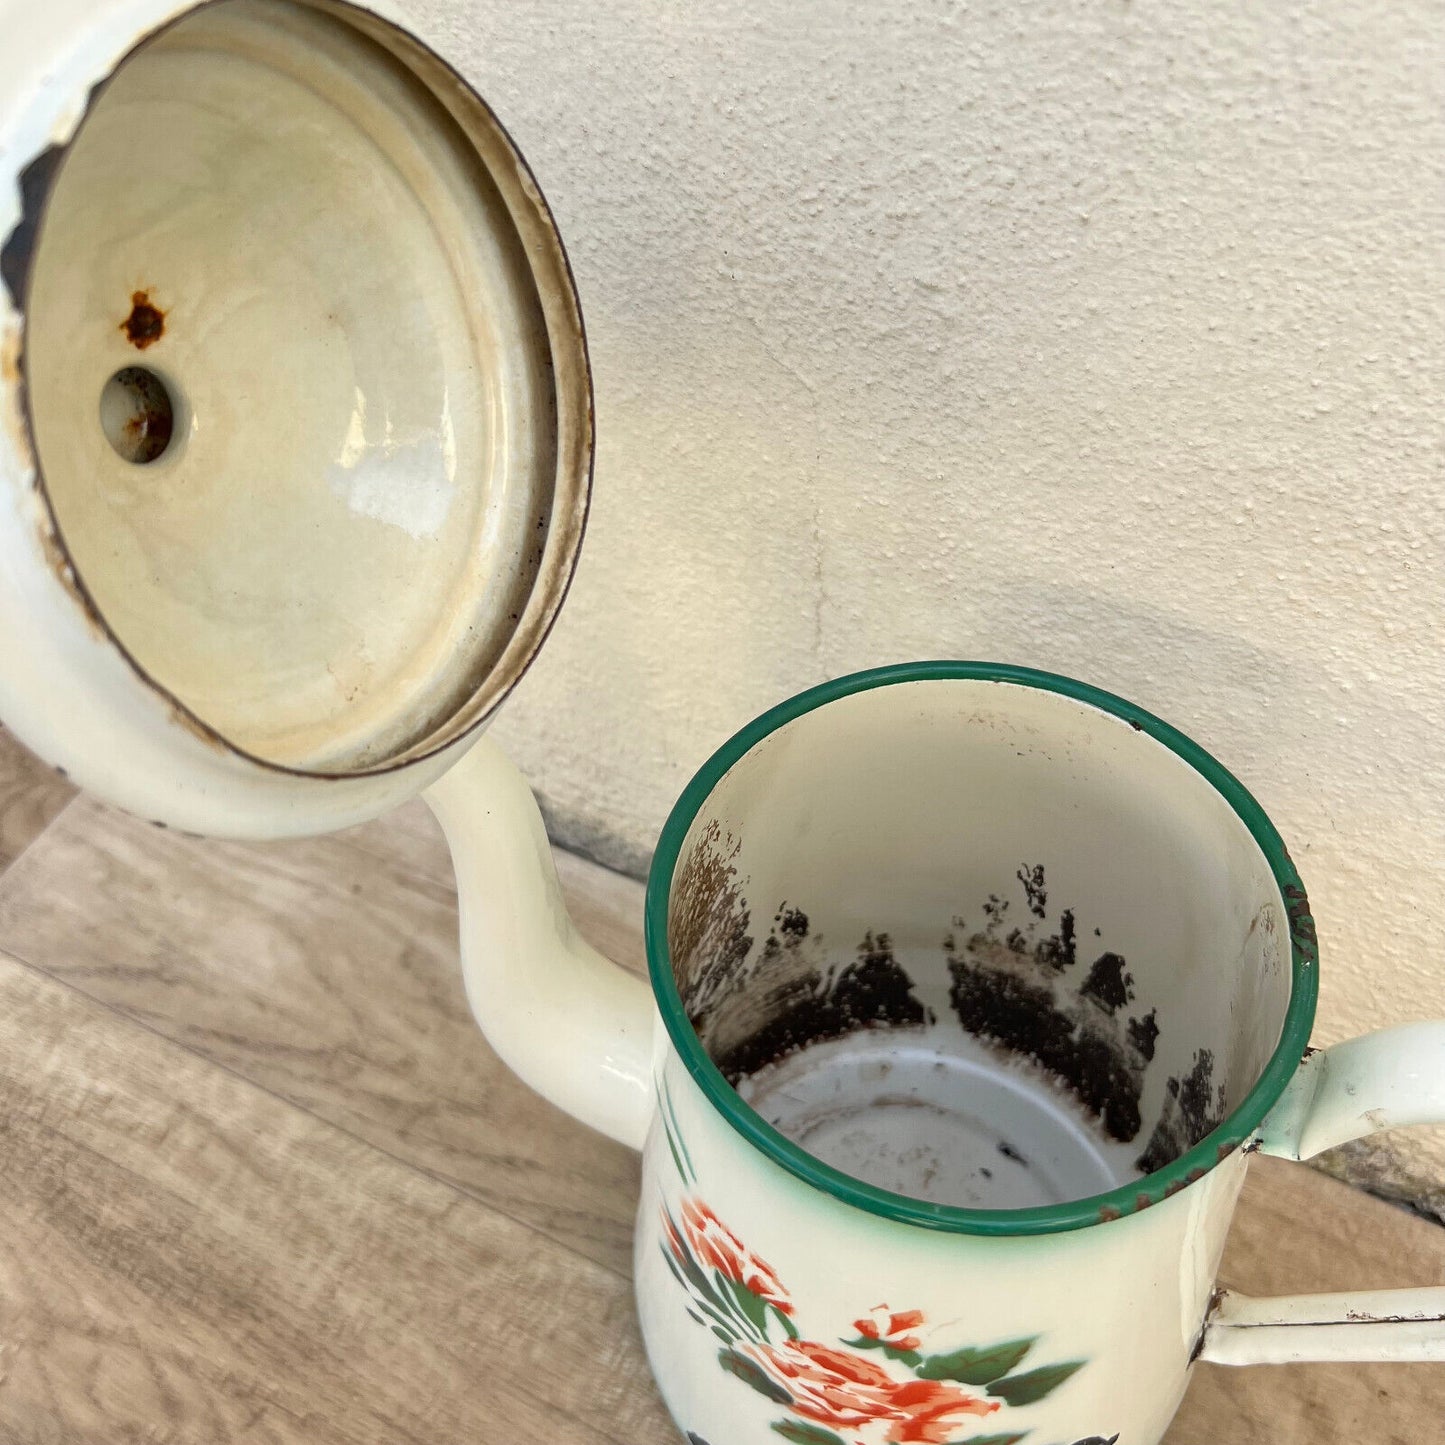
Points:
[(880, 1386)]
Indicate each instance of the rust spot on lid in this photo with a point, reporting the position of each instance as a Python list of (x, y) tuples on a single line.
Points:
[(146, 323), (193, 725), (1108, 1214), (12, 401), (10, 358), (1142, 1201), (58, 560)]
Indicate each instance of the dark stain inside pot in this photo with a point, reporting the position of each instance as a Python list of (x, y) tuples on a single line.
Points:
[(872, 991), (1014, 999)]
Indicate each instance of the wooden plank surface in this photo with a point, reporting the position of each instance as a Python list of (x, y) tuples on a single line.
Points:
[(31, 795), (265, 1182), (187, 1257), (327, 974)]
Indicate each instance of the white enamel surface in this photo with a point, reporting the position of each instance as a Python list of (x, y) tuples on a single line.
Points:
[(329, 549), (1379, 1081), (938, 1115), (1129, 1296), (1384, 1080), (1400, 1325), (292, 566), (569, 1022)]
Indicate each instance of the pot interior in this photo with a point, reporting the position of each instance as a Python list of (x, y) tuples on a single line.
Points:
[(979, 943)]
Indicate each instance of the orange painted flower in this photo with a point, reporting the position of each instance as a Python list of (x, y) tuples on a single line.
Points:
[(891, 1329), (717, 1247), (829, 1386), (925, 1411), (846, 1391)]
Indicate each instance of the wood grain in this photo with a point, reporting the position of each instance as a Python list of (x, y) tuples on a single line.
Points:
[(185, 1257), (1299, 1232), (31, 796), (328, 974), (265, 1182)]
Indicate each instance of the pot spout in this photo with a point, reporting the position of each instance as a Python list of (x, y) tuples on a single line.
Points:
[(567, 1021)]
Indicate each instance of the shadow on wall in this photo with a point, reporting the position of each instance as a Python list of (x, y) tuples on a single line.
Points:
[(1223, 688), (1214, 686)]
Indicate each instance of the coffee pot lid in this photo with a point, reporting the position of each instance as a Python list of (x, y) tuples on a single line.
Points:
[(305, 409)]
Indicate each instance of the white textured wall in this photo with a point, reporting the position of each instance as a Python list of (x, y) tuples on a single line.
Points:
[(1103, 336)]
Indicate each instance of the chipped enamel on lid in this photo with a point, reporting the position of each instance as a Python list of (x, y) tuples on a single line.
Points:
[(303, 233)]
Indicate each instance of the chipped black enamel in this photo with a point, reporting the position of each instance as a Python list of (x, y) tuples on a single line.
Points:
[(1012, 982), (1024, 992), (1036, 895), (1108, 984), (1193, 1108), (18, 249), (752, 1007), (871, 992)]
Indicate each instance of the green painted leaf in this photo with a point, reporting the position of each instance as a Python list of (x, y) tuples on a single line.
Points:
[(720, 1322), (752, 1374), (690, 1174), (737, 1315), (699, 1281), (672, 1147), (707, 1303), (802, 1434), (976, 1367), (789, 1328), (1035, 1385), (754, 1310), (992, 1439), (672, 1265)]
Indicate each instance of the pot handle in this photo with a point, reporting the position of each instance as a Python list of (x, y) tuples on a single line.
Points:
[(566, 1020), (1380, 1081)]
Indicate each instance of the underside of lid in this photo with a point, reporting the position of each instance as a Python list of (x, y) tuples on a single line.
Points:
[(307, 384)]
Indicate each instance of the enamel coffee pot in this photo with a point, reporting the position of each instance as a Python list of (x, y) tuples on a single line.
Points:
[(295, 453), (295, 450)]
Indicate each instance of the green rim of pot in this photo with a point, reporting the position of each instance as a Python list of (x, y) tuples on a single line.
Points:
[(1232, 1134)]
